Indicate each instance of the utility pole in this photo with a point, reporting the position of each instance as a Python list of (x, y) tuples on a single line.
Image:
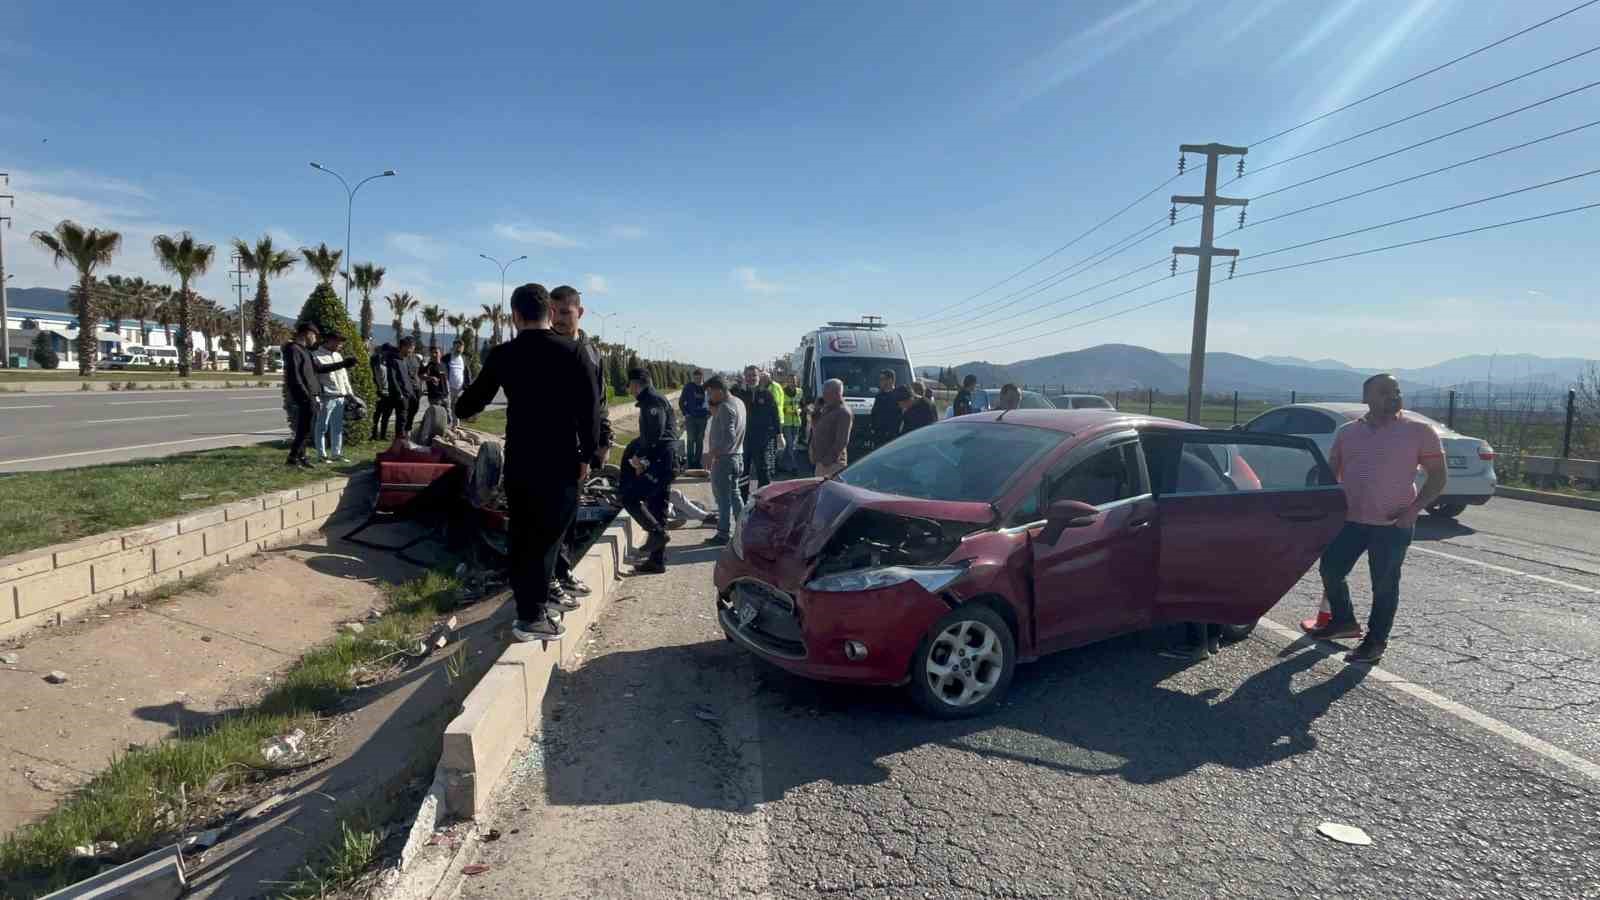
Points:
[(1202, 284), (238, 283), (5, 312)]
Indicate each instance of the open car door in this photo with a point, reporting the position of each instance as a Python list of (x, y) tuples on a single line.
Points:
[(1242, 517)]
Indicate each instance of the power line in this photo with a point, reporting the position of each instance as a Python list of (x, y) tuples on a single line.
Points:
[(1435, 138), (1056, 252), (1416, 115), (1313, 262), (1421, 175), (1421, 75)]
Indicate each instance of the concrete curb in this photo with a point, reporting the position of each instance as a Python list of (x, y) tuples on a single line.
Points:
[(1548, 497), (502, 710)]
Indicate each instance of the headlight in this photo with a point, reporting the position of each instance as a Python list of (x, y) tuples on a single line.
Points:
[(932, 579)]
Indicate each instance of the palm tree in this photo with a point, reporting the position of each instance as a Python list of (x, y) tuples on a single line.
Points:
[(164, 309), (87, 249), (367, 278), (456, 321), (188, 259), (401, 303), (267, 262), (115, 302), (323, 261), (141, 305), (433, 315)]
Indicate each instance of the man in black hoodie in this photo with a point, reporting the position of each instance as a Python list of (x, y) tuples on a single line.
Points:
[(885, 411), (302, 387), (395, 391), (551, 436), (648, 467)]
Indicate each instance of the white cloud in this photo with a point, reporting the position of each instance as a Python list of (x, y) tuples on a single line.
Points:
[(1534, 293), (596, 284), (283, 240), (747, 277), (1086, 49), (528, 234), (628, 232), (417, 245)]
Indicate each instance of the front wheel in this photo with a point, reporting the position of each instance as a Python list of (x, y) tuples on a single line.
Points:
[(964, 664), (1447, 510)]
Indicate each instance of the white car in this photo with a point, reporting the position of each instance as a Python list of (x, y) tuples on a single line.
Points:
[(1469, 461)]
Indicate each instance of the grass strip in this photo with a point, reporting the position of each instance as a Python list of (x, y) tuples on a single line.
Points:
[(144, 798), (43, 508), (347, 858)]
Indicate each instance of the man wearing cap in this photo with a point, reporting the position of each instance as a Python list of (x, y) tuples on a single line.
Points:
[(648, 470), (334, 378)]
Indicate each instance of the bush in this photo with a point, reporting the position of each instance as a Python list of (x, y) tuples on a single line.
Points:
[(326, 311), (43, 354)]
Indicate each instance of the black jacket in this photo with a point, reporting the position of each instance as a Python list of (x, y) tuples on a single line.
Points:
[(596, 366), (433, 379), (300, 372), (550, 410), (390, 373), (885, 418), (922, 412), (762, 419), (656, 422)]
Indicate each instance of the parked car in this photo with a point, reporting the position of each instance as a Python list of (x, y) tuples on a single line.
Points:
[(963, 548), (1469, 460), (1030, 399), (126, 361), (1081, 401)]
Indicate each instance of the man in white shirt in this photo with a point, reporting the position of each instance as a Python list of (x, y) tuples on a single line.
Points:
[(455, 367), (327, 432)]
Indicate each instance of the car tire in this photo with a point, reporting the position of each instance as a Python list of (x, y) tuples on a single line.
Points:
[(1447, 510), (1233, 634), (946, 682)]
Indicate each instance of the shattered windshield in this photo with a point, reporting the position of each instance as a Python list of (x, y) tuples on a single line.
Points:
[(970, 462)]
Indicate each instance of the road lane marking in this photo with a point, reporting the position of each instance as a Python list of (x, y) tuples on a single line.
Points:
[(262, 409), (42, 406), (1466, 714), (213, 437), (135, 419), (1508, 571), (142, 402)]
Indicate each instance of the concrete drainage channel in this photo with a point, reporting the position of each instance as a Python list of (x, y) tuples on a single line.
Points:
[(496, 717)]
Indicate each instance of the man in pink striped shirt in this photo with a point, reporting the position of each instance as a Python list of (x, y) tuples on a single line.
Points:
[(1376, 459)]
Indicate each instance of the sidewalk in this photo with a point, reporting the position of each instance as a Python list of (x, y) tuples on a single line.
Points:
[(144, 671)]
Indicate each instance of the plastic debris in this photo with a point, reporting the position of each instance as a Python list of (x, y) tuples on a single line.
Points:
[(1345, 834), (474, 869), (354, 627), (9, 659), (264, 807), (57, 677), (283, 745), (706, 714)]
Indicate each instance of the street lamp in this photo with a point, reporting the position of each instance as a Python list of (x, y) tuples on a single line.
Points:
[(503, 266), (603, 317), (349, 211)]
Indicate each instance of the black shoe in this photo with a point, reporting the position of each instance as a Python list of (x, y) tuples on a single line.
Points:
[(1334, 631), (574, 586), (710, 519), (650, 567), (656, 542), (1367, 652), (1214, 644), (304, 463), (560, 599), (716, 540), (545, 629), (1188, 652)]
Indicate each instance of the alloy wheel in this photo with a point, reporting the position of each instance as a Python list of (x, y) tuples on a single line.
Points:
[(965, 663)]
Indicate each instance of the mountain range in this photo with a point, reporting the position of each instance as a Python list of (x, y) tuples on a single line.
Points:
[(1124, 367)]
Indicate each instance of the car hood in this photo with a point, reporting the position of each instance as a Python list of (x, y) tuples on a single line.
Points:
[(793, 521)]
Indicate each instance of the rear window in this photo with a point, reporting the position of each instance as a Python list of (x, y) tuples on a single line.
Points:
[(959, 461)]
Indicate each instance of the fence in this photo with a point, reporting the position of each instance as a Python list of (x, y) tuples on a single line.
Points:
[(1516, 422)]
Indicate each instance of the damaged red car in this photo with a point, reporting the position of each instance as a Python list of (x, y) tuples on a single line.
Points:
[(959, 550)]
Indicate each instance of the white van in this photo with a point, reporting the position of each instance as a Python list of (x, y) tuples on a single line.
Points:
[(855, 353), (162, 356)]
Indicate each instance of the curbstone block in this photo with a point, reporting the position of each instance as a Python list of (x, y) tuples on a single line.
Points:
[(243, 509), (325, 505), (336, 484), (90, 548), (115, 571), (151, 535), (17, 567), (8, 603), (533, 664), (479, 742), (198, 566), (296, 513), (223, 536), (148, 583), (263, 523), (311, 490), (42, 592), (202, 520), (178, 551)]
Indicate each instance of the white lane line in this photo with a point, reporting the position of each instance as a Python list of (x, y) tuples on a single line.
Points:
[(1502, 569), (134, 419), (214, 437), (42, 406), (142, 402), (1464, 713), (262, 409)]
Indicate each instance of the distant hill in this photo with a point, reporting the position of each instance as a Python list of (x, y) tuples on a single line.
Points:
[(1309, 363), (1121, 367)]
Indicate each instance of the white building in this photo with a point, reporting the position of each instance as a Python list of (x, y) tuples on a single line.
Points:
[(24, 325)]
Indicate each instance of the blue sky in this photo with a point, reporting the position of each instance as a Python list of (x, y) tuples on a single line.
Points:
[(725, 176)]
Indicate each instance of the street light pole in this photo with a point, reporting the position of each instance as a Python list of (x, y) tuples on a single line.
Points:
[(349, 212), (603, 317), (5, 326), (503, 266)]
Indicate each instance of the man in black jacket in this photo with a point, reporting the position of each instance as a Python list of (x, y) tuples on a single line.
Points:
[(551, 437), (915, 412), (302, 387), (396, 394), (885, 411), (763, 423), (648, 468), (566, 311)]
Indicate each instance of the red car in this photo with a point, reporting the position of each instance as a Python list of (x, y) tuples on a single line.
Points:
[(963, 548)]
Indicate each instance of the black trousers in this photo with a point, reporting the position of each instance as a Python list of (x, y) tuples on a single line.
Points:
[(650, 511), (541, 511), (303, 415), (411, 413), (563, 568), (387, 405)]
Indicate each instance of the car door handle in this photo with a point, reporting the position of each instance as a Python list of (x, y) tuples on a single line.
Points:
[(1302, 516), (1136, 525)]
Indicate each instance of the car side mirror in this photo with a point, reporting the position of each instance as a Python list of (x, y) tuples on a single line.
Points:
[(1237, 428), (1064, 514)]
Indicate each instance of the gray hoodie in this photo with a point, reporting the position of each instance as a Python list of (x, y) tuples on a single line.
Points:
[(725, 434)]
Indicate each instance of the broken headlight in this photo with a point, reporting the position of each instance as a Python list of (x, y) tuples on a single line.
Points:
[(932, 579)]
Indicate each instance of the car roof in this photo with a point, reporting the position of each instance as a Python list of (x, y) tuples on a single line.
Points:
[(1095, 396), (1073, 421), (1353, 411), (996, 391)]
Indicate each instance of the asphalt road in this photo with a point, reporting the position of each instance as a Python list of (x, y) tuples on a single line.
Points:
[(672, 765)]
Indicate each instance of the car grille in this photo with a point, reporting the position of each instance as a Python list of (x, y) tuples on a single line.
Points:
[(776, 626)]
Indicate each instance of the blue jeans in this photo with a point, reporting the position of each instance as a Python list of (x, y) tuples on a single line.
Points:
[(1385, 546), (725, 487), (328, 431), (791, 441)]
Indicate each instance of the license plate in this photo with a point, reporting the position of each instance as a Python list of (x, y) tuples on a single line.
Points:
[(747, 613), (1457, 462)]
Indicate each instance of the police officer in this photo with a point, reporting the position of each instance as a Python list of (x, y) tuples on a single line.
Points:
[(648, 467), (551, 436)]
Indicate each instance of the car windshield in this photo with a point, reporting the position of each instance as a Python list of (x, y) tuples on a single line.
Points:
[(860, 374), (960, 461)]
